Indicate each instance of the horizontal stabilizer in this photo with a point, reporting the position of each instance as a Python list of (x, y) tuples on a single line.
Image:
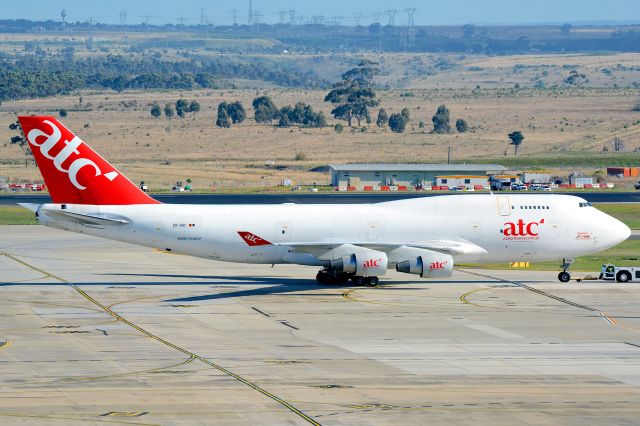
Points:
[(98, 219)]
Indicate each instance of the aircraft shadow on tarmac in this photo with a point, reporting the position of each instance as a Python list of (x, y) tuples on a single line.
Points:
[(269, 285), (276, 285)]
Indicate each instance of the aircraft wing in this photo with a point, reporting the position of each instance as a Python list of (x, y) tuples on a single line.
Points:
[(93, 220), (30, 206), (451, 247)]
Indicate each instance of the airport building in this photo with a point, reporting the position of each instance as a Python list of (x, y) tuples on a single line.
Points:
[(374, 175)]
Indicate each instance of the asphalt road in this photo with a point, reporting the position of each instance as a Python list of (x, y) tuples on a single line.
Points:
[(318, 198)]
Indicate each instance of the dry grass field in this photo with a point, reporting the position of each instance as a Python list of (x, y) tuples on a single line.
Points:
[(556, 122)]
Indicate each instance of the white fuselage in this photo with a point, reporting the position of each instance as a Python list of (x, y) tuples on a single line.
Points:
[(507, 227)]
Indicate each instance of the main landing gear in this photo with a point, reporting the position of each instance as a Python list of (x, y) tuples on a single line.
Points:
[(565, 276), (329, 276)]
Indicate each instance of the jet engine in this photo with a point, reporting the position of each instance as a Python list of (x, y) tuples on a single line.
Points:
[(427, 264), (363, 262)]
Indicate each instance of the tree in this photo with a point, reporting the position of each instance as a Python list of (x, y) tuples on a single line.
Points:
[(353, 96), (618, 145), (382, 119), (284, 121), (168, 111), (441, 120), (155, 110), (223, 117), (461, 125), (301, 114), (194, 106), (338, 128), (406, 114), (182, 106), (62, 112), (262, 114), (397, 122), (63, 15), (468, 30), (20, 140), (516, 140), (565, 29), (268, 110), (236, 112)]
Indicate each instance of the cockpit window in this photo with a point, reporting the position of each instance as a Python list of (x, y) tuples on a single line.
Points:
[(586, 204)]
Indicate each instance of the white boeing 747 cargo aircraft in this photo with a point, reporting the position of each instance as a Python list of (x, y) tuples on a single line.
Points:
[(358, 242)]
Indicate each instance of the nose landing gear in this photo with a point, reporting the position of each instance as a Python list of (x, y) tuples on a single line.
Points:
[(565, 276), (330, 276)]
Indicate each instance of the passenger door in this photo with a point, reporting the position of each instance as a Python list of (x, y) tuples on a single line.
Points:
[(504, 205)]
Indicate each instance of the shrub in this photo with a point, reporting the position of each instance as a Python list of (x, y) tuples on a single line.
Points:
[(382, 119), (461, 125)]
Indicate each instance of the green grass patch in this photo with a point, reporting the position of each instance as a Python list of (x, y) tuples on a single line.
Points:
[(624, 254), (629, 214), (564, 159), (16, 215)]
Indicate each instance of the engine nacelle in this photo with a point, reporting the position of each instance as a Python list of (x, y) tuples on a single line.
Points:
[(363, 262), (427, 264)]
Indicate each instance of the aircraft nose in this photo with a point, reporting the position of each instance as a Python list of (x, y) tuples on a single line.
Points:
[(617, 231)]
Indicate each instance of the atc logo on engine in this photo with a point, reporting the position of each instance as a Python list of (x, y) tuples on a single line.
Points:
[(521, 230), (436, 266), (371, 263)]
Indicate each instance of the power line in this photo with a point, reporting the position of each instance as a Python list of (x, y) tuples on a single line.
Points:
[(391, 14), (357, 16)]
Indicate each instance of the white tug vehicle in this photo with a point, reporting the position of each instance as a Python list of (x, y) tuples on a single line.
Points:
[(621, 274)]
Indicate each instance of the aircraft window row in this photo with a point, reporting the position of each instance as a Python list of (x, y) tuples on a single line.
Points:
[(585, 204), (532, 207)]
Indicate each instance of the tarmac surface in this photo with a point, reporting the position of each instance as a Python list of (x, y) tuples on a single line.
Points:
[(94, 331), (322, 197)]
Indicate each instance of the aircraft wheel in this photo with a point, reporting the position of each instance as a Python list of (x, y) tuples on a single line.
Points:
[(564, 277), (341, 279), (358, 281), (322, 277), (623, 277), (372, 281)]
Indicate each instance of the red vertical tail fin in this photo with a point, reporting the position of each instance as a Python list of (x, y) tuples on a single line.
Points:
[(73, 172)]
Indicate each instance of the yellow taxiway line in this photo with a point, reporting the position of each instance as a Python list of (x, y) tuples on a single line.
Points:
[(204, 360)]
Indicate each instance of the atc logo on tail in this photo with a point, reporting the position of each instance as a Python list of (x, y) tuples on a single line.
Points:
[(73, 172), (47, 143)]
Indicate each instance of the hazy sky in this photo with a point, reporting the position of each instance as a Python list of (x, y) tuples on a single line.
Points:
[(428, 12)]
